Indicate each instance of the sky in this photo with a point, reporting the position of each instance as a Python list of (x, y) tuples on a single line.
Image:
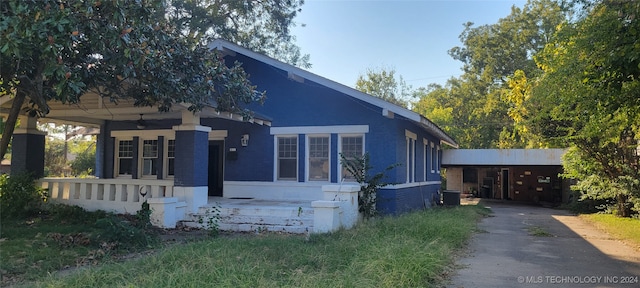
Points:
[(344, 38)]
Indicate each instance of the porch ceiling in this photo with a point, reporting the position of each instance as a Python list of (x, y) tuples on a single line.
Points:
[(93, 111)]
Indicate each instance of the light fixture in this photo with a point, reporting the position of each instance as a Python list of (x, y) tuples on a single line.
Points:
[(141, 124), (244, 141)]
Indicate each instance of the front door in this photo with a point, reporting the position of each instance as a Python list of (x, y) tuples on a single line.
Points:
[(216, 167)]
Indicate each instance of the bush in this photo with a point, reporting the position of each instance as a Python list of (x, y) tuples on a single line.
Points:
[(20, 197), (84, 164), (125, 233), (129, 231), (62, 213), (580, 205)]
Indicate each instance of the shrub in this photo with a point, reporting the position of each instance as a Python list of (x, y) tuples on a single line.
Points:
[(360, 168), (20, 197), (129, 232), (83, 164), (124, 233), (63, 213)]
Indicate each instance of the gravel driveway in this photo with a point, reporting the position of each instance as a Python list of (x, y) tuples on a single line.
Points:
[(528, 246)]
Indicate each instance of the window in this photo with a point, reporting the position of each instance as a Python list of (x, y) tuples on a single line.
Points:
[(149, 157), (124, 160), (288, 158), (433, 158), (426, 158), (171, 157), (438, 158), (411, 160), (351, 147), (318, 159)]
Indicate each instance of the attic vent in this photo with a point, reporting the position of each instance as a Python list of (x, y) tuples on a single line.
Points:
[(295, 77)]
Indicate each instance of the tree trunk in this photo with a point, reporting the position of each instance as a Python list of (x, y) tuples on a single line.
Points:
[(623, 206), (10, 124)]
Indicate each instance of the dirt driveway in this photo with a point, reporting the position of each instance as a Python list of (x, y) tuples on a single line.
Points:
[(527, 246)]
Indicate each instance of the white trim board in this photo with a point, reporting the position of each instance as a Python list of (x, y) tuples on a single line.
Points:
[(338, 129)]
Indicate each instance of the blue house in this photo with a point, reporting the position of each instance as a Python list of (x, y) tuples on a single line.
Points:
[(287, 152), (313, 120)]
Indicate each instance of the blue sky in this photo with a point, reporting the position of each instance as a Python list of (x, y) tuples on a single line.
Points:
[(345, 37)]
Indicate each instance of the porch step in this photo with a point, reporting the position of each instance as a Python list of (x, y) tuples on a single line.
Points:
[(257, 216)]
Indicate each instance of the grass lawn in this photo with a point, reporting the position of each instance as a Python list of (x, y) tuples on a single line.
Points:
[(58, 238), (626, 229), (411, 250), (29, 249)]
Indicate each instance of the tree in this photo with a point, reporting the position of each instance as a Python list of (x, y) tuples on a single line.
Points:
[(260, 25), (491, 54), (382, 83), (58, 50), (589, 94)]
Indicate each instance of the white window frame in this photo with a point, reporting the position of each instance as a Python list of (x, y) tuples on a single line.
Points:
[(276, 171), (116, 164), (308, 157), (339, 167), (431, 163), (425, 157), (438, 158), (411, 156), (128, 135), (141, 158), (166, 158)]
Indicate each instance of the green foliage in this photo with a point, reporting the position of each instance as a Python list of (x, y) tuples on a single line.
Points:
[(360, 168), (60, 237), (20, 197), (260, 25), (84, 164), (55, 164), (581, 205), (62, 213), (474, 108), (127, 235), (383, 84), (587, 99), (128, 49), (211, 221), (143, 216), (411, 250), (128, 232)]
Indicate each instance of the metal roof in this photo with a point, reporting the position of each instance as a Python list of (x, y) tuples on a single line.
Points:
[(502, 157)]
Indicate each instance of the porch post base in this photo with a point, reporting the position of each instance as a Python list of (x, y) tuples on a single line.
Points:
[(347, 196), (195, 197), (163, 211), (326, 216)]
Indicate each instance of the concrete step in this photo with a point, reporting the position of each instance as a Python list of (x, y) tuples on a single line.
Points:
[(258, 211), (257, 218)]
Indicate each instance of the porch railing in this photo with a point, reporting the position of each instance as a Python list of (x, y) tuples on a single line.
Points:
[(113, 195)]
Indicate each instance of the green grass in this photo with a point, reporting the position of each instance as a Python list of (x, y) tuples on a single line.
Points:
[(626, 229), (29, 249), (412, 250), (57, 238), (538, 231)]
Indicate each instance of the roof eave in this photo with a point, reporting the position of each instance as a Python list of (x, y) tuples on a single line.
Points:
[(223, 45)]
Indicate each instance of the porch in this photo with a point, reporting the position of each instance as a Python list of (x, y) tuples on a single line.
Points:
[(170, 205)]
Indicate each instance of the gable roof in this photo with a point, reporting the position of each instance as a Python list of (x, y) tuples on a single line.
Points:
[(388, 109)]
